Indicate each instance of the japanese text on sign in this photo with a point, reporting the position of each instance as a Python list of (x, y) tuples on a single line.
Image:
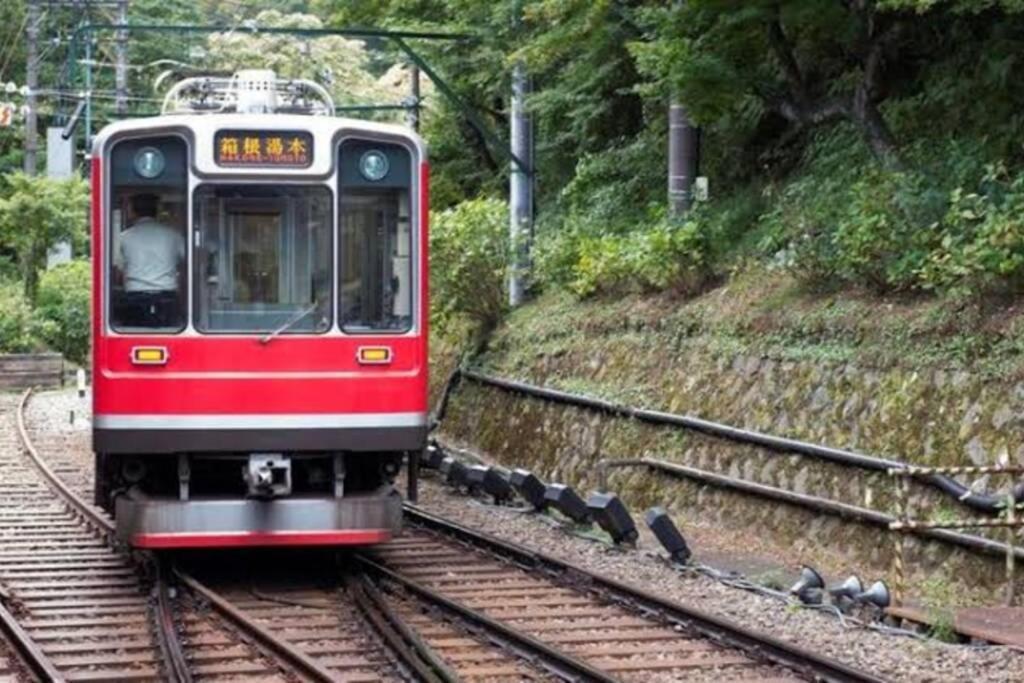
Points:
[(289, 149)]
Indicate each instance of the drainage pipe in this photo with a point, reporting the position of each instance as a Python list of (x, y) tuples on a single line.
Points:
[(983, 502), (830, 507)]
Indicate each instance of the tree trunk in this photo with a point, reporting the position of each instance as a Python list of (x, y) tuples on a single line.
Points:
[(860, 107), (876, 133)]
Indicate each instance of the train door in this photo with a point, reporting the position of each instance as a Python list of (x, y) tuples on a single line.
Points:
[(264, 255)]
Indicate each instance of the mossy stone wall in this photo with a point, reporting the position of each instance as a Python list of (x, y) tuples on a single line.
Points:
[(925, 417)]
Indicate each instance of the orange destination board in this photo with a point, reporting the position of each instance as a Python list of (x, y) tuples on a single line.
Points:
[(283, 148)]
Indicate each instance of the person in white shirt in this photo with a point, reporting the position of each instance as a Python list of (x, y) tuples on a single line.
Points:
[(150, 257)]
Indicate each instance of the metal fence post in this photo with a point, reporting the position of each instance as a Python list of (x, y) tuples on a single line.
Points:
[(1011, 554)]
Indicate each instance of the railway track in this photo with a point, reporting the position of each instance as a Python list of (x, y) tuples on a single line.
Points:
[(337, 627), (441, 603), (579, 624), (110, 625)]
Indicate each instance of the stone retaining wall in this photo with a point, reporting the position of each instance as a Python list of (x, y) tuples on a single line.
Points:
[(934, 418)]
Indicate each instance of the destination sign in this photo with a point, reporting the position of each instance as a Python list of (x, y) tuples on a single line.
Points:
[(280, 148)]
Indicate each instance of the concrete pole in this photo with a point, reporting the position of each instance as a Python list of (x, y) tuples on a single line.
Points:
[(412, 115), (121, 59), (520, 187), (683, 151), (32, 83)]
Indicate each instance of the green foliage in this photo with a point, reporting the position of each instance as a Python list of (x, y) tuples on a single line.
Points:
[(618, 187), (21, 331), (897, 231), (64, 302), (345, 66), (469, 250), (663, 256), (35, 214), (980, 247)]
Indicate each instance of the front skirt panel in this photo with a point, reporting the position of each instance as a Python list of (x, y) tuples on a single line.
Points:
[(361, 519)]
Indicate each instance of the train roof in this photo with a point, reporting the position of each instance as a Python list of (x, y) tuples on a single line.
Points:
[(201, 128)]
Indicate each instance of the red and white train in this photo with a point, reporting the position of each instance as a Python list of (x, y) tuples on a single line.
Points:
[(259, 318)]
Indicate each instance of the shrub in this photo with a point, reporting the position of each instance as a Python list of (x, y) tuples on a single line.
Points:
[(64, 301), (981, 245), (469, 255), (20, 330), (36, 213), (661, 257), (882, 236)]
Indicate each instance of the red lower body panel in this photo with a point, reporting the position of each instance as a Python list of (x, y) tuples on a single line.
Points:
[(264, 539)]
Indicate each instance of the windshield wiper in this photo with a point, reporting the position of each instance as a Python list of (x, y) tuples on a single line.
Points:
[(291, 321)]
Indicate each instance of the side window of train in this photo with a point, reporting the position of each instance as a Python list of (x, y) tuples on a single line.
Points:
[(147, 242), (375, 254)]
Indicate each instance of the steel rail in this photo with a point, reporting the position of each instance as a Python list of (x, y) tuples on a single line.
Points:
[(845, 511), (175, 664), (506, 637), (283, 649), (279, 647), (170, 645), (403, 642), (86, 511), (716, 629), (983, 502), (28, 650)]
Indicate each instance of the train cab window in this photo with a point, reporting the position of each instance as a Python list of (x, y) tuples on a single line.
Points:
[(147, 255), (263, 259), (375, 251)]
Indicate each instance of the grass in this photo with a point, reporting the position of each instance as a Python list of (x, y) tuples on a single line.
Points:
[(764, 312)]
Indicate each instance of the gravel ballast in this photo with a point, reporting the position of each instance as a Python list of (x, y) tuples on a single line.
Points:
[(894, 657)]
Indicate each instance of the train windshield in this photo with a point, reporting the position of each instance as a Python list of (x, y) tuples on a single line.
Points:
[(147, 221), (375, 234), (263, 258)]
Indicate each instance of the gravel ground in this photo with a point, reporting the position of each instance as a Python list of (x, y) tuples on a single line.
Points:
[(892, 657)]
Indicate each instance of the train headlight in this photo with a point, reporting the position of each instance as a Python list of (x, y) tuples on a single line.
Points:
[(149, 162), (373, 165)]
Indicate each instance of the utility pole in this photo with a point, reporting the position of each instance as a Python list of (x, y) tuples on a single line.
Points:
[(412, 114), (121, 66), (520, 187), (32, 83), (683, 151)]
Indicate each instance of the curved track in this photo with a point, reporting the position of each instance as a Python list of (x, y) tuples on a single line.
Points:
[(595, 628), (336, 628), (86, 608), (441, 603)]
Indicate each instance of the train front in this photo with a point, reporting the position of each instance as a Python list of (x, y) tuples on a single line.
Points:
[(260, 323)]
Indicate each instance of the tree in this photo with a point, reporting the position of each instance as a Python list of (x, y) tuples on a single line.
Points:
[(344, 66), (35, 214), (806, 62)]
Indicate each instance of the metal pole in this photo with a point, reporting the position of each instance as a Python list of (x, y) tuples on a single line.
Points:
[(88, 94), (520, 187), (32, 83), (121, 68), (412, 116), (1011, 554), (413, 477), (899, 556), (683, 150)]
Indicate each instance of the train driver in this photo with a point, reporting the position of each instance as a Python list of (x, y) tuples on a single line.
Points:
[(150, 257)]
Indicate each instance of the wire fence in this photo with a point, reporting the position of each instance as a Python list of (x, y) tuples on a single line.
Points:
[(1009, 518)]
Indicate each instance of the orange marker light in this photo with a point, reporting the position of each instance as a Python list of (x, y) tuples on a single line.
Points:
[(149, 355), (374, 355)]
